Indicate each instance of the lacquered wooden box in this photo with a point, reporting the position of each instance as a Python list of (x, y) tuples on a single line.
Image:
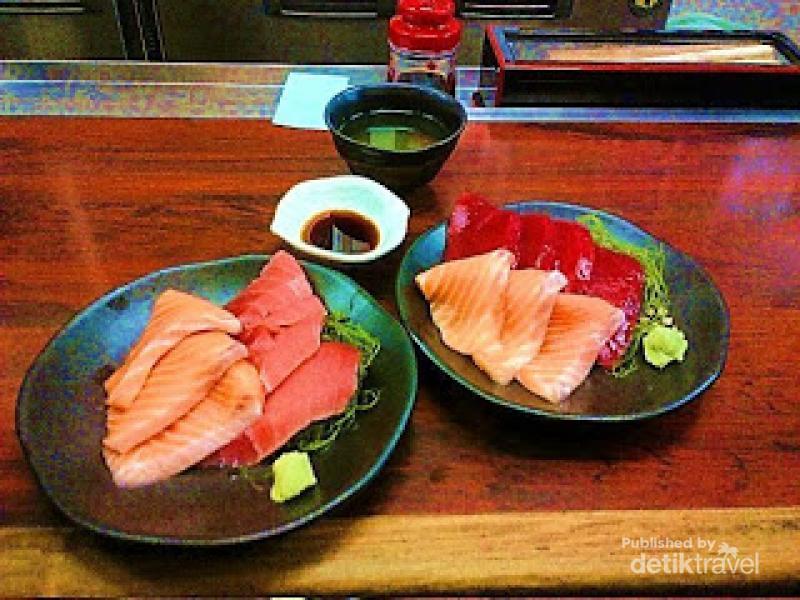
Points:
[(713, 69)]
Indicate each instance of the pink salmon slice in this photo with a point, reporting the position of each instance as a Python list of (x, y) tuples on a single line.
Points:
[(231, 406), (175, 315), (529, 300), (180, 380), (466, 299), (578, 329)]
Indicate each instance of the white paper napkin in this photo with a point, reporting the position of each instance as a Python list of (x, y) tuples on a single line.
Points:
[(302, 102)]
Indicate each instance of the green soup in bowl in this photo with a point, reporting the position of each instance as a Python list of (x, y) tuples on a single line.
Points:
[(399, 135)]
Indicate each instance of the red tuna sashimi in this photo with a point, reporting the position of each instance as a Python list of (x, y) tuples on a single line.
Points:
[(536, 242), (476, 227), (549, 244), (276, 355), (285, 317), (319, 388), (619, 280), (574, 253), (280, 285), (281, 319)]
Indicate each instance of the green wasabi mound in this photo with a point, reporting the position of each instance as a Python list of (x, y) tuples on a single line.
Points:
[(664, 344), (293, 473)]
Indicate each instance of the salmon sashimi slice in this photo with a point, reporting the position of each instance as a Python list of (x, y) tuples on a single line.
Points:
[(180, 380), (281, 283), (276, 355), (579, 327), (231, 406), (318, 389), (466, 298), (529, 300), (175, 315)]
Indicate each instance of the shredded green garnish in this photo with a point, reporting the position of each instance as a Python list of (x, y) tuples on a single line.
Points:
[(257, 476), (656, 306), (339, 327)]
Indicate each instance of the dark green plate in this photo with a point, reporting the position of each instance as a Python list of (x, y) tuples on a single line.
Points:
[(698, 308), (61, 419)]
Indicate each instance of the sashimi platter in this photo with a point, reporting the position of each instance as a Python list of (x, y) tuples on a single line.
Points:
[(227, 401), (561, 311), (217, 402)]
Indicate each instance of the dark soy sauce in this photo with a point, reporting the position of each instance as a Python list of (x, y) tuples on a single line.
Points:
[(341, 231)]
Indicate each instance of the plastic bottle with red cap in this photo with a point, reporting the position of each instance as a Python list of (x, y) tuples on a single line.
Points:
[(423, 38)]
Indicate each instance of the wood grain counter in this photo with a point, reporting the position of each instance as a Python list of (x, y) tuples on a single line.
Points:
[(473, 499)]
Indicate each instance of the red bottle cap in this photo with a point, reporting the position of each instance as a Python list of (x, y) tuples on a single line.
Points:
[(425, 25)]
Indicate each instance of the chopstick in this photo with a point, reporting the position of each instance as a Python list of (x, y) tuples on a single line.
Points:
[(749, 53)]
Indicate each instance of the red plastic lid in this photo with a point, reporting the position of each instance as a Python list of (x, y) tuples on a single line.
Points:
[(425, 25)]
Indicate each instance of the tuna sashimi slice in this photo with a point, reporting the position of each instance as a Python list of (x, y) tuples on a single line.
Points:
[(281, 319), (574, 252), (618, 279), (578, 328), (180, 380), (476, 227), (232, 405), (175, 315), (537, 242), (466, 299), (529, 300), (286, 317), (276, 355), (281, 283), (319, 388), (239, 452)]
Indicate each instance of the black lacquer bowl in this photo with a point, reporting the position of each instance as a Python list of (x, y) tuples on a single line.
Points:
[(399, 170), (61, 419), (698, 308)]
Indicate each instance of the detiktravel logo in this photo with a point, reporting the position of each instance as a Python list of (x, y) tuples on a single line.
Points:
[(690, 556)]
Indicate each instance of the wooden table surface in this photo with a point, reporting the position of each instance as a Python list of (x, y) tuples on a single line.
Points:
[(473, 500)]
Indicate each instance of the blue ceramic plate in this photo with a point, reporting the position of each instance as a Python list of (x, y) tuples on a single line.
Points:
[(698, 308), (61, 419)]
